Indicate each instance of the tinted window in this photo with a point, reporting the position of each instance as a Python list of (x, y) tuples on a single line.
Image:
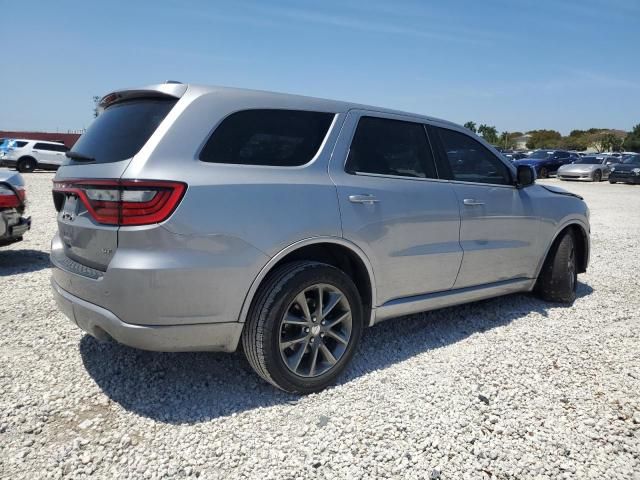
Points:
[(42, 146), (19, 144), (282, 138), (51, 147), (470, 161), (542, 154), (122, 129), (562, 154), (589, 160), (391, 147)]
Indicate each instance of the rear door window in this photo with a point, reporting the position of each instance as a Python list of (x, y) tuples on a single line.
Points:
[(122, 129), (281, 138), (391, 147)]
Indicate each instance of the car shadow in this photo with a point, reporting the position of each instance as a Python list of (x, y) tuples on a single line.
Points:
[(22, 261), (181, 388)]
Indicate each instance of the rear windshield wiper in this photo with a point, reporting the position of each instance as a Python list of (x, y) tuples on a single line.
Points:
[(78, 157)]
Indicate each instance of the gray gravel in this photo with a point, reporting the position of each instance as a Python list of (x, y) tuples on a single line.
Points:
[(507, 388)]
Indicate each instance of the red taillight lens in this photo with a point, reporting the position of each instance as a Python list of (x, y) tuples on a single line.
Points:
[(125, 202), (9, 199)]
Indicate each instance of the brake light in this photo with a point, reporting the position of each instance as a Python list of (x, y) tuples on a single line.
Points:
[(9, 199), (124, 202)]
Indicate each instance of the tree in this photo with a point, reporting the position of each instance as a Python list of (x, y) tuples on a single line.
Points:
[(490, 134), (612, 142), (544, 139), (471, 126), (632, 140), (96, 108), (577, 140), (508, 139)]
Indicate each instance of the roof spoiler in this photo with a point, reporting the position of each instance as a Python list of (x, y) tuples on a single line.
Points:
[(168, 90)]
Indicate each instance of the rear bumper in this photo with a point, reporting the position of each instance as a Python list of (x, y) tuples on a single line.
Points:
[(103, 325), (11, 231), (5, 162)]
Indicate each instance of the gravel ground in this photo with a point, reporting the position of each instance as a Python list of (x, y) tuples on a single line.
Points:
[(508, 388)]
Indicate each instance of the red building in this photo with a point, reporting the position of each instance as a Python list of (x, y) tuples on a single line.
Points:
[(67, 138)]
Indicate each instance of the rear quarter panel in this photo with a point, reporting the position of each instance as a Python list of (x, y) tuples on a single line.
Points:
[(232, 219)]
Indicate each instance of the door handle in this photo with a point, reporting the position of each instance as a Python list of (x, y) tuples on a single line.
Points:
[(471, 202), (367, 199)]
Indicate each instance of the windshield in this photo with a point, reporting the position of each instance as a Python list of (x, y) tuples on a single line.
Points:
[(589, 160), (632, 160), (122, 129), (540, 154)]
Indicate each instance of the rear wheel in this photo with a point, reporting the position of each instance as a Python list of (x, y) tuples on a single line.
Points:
[(612, 181), (304, 326), (26, 165), (558, 279), (544, 172), (597, 176)]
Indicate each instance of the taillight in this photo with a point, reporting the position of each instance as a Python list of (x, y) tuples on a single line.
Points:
[(8, 197), (124, 202)]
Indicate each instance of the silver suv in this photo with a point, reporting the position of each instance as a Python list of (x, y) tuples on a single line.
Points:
[(199, 218)]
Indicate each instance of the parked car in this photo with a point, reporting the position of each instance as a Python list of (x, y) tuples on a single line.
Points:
[(547, 162), (512, 156), (196, 218), (628, 171), (13, 225), (27, 155), (592, 169)]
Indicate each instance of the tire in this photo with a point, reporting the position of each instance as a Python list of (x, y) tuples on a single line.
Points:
[(558, 279), (597, 176), (26, 165), (612, 181), (277, 318), (544, 172)]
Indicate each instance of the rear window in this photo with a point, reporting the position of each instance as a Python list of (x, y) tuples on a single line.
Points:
[(282, 138), (122, 129)]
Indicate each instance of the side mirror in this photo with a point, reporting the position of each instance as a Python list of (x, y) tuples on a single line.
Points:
[(525, 176)]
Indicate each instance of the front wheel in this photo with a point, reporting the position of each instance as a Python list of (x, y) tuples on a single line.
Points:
[(558, 279), (544, 172), (303, 327), (612, 181)]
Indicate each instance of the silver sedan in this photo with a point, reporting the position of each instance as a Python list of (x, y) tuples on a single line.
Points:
[(590, 169)]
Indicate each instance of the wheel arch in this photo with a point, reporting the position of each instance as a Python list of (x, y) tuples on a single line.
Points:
[(331, 250), (26, 157), (583, 244)]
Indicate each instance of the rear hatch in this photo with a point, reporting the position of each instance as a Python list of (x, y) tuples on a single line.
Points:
[(88, 194)]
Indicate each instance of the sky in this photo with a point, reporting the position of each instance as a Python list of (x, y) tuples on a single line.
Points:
[(516, 64)]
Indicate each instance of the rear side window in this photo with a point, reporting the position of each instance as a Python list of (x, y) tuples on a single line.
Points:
[(122, 129), (19, 144), (51, 147), (470, 161), (391, 147), (281, 138)]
